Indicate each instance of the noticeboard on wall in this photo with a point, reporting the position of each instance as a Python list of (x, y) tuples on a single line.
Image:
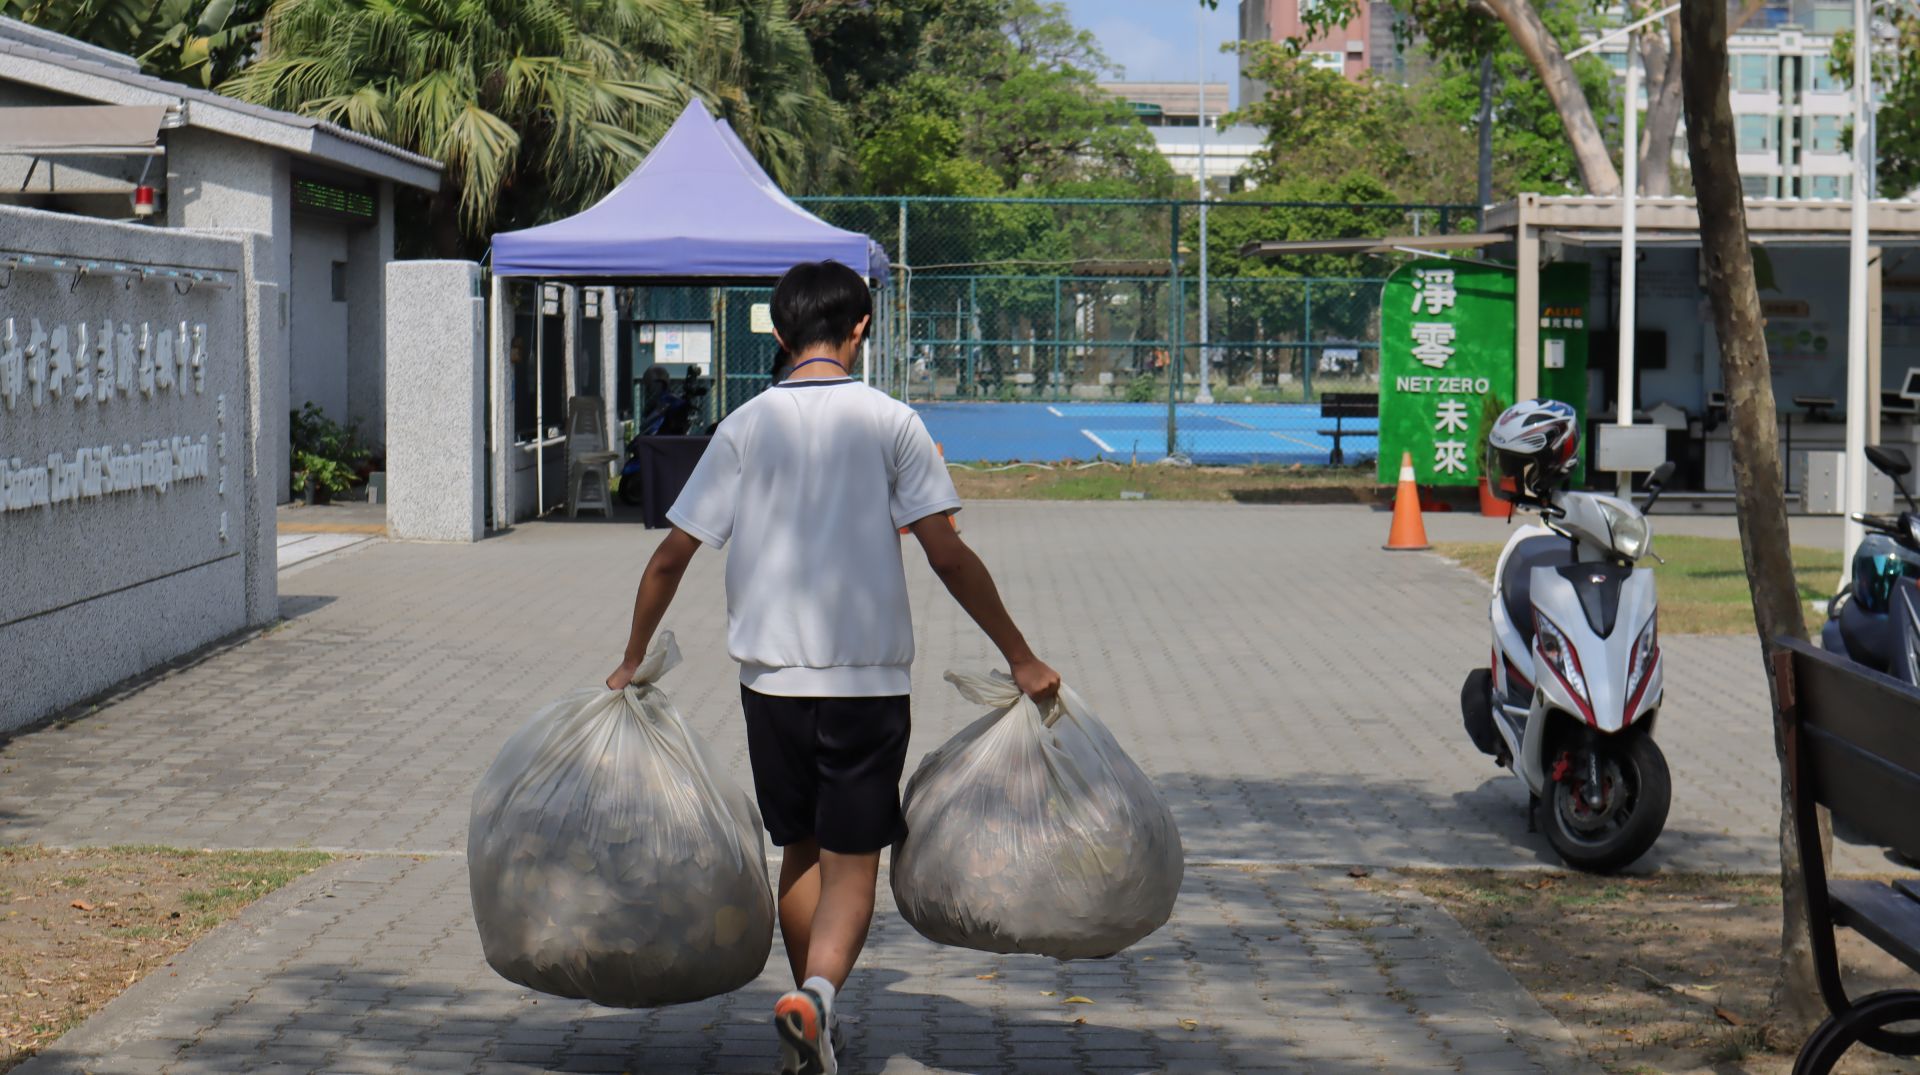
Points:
[(678, 343)]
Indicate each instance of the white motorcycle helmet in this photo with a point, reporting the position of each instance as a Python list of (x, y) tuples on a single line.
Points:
[(1536, 443)]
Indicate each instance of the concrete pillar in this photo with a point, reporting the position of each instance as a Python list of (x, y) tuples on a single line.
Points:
[(436, 396), (369, 249), (264, 453), (218, 182), (1526, 303)]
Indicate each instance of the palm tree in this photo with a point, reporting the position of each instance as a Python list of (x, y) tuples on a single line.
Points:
[(762, 78), (201, 42), (538, 107), (553, 98)]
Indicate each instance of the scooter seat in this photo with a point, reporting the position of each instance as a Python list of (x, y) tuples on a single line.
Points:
[(1516, 581)]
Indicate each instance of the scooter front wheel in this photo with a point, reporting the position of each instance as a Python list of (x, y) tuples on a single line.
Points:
[(1602, 828)]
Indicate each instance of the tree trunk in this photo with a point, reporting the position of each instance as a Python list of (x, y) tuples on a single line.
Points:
[(1728, 264), (1662, 57), (1543, 54)]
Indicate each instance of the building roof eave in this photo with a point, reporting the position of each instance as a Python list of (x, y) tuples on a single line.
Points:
[(77, 75)]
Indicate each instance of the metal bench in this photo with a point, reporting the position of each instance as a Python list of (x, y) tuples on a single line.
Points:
[(1851, 747), (1341, 406)]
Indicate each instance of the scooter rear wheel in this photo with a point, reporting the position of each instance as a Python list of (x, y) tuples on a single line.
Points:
[(1638, 790), (630, 490)]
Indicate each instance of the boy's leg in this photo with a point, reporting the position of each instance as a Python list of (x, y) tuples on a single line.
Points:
[(799, 901), (845, 886)]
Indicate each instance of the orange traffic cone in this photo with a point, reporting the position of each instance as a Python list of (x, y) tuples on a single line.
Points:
[(1409, 532)]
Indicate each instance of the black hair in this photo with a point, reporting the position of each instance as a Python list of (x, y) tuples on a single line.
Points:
[(819, 303)]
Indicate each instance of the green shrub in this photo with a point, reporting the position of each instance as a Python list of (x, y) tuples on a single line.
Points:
[(1142, 389), (323, 450)]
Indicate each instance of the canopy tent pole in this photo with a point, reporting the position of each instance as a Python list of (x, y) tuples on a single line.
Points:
[(500, 401)]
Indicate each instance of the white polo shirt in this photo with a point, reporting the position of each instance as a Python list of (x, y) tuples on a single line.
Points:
[(811, 481)]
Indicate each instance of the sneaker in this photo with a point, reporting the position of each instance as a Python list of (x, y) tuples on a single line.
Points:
[(806, 1045)]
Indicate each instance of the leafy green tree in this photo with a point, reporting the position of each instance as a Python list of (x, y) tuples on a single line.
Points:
[(1002, 97), (1896, 83), (538, 107), (198, 42)]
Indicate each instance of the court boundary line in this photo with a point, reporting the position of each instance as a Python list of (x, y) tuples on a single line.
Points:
[(1296, 440), (1101, 444)]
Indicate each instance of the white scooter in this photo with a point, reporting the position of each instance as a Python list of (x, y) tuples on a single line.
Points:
[(1570, 702)]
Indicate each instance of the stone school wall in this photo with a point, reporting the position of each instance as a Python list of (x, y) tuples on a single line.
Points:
[(130, 531)]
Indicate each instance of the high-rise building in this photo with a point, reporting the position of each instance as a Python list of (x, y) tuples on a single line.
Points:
[(1171, 111), (1789, 110), (1363, 46)]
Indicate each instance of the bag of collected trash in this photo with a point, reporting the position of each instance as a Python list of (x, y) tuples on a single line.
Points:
[(612, 860), (1034, 832)]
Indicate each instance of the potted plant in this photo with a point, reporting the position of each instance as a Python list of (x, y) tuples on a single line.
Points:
[(1491, 505), (326, 455)]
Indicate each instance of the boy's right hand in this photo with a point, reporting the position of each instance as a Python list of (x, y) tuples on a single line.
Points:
[(622, 676), (1036, 680)]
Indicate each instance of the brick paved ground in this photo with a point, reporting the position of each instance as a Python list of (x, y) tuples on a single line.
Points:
[(1293, 690)]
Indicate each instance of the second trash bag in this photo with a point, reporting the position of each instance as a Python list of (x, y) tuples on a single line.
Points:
[(612, 860), (1034, 832)]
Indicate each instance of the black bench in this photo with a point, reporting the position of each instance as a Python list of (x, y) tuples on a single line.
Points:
[(1341, 406), (1851, 747)]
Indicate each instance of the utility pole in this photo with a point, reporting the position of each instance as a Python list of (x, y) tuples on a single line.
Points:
[(1205, 393), (1629, 217), (1859, 394), (1629, 245)]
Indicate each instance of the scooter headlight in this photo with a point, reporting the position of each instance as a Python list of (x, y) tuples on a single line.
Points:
[(1632, 537), (1646, 653), (1558, 655)]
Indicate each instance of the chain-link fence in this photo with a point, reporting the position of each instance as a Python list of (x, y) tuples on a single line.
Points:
[(1046, 329)]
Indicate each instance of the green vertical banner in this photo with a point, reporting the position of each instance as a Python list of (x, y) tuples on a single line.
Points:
[(1446, 347), (1566, 288)]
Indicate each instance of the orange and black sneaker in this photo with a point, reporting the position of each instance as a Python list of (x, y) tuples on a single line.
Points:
[(806, 1042)]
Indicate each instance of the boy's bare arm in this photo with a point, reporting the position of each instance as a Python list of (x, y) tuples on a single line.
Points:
[(969, 582), (657, 586)]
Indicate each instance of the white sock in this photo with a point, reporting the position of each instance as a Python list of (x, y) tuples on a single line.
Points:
[(825, 989)]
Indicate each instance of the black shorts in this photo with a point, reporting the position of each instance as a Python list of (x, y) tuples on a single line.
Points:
[(829, 769)]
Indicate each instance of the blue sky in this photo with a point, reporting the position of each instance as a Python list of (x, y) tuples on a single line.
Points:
[(1157, 40)]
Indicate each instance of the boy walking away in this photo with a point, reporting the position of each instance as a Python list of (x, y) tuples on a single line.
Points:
[(812, 479)]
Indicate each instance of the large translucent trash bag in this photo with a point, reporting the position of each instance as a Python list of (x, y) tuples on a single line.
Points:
[(612, 860), (1034, 832)]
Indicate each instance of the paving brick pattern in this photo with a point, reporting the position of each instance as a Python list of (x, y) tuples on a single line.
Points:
[(1293, 691), (373, 966)]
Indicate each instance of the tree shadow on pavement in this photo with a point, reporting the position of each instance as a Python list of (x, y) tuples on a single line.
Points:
[(1335, 818)]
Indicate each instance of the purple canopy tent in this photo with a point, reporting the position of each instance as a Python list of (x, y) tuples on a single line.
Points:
[(699, 209)]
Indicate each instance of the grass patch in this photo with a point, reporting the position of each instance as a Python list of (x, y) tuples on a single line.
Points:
[(1703, 584), (1666, 973), (1250, 484), (78, 927)]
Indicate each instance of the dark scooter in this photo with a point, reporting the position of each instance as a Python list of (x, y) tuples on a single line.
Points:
[(1874, 620)]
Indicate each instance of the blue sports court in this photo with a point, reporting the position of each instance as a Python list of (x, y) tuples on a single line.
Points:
[(1217, 434)]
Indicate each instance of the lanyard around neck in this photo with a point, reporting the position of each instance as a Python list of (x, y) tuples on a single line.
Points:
[(803, 365)]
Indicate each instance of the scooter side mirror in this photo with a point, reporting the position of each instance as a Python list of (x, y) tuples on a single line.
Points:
[(1890, 461), (1657, 483), (1894, 464)]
